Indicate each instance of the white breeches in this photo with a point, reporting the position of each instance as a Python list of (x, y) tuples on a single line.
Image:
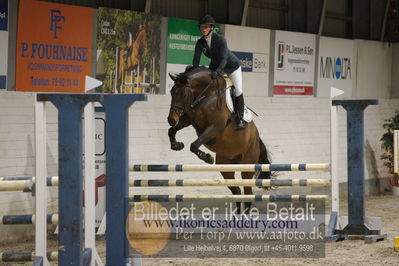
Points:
[(236, 78)]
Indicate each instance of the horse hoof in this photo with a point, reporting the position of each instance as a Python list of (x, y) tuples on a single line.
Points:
[(209, 159), (177, 146)]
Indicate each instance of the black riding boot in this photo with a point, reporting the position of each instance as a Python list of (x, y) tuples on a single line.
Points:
[(241, 124)]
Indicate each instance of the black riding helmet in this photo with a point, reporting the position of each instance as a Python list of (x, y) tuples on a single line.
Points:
[(207, 19)]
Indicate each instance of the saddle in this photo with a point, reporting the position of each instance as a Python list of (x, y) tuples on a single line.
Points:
[(230, 100)]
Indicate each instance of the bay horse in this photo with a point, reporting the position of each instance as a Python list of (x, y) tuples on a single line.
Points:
[(132, 57), (199, 101)]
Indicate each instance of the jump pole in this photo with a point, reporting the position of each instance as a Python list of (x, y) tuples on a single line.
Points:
[(229, 167), (26, 185), (229, 198), (229, 182)]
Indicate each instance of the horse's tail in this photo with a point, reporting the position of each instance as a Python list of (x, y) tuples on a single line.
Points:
[(263, 159)]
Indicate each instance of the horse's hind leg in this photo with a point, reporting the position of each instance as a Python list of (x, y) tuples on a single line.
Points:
[(230, 175), (247, 190), (234, 190)]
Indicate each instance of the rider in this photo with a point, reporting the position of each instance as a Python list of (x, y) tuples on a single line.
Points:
[(214, 46)]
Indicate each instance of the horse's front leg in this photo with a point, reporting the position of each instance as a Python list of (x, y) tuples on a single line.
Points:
[(176, 145), (209, 134)]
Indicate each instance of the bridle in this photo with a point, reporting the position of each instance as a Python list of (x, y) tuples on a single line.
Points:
[(201, 98)]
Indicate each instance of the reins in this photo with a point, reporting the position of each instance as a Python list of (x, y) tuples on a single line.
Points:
[(201, 99), (201, 96)]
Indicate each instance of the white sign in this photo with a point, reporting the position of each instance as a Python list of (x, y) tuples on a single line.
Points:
[(256, 42), (336, 66), (260, 63), (294, 63)]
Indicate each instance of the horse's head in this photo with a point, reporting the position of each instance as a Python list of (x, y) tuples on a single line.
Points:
[(187, 88)]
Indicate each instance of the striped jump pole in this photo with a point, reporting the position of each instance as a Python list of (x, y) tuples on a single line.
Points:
[(16, 185), (26, 219), (228, 182), (24, 183), (14, 178), (228, 198), (229, 167), (25, 256)]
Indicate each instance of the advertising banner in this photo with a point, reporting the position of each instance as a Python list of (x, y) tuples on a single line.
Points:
[(336, 66), (128, 51), (182, 37), (251, 62), (252, 47), (53, 47), (3, 43), (294, 63)]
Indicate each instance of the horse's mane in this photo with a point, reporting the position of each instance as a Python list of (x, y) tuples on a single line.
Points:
[(191, 71)]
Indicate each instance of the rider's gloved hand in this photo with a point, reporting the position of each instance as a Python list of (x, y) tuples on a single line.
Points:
[(214, 74), (189, 68)]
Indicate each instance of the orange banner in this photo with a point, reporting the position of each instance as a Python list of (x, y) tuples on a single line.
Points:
[(53, 47)]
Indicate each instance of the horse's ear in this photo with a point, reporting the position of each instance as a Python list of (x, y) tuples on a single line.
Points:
[(173, 76)]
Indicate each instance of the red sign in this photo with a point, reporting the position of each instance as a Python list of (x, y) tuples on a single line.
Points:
[(293, 90)]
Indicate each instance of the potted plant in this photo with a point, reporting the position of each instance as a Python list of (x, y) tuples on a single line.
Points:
[(390, 125)]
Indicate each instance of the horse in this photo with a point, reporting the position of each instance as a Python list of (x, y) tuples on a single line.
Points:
[(197, 101), (132, 57)]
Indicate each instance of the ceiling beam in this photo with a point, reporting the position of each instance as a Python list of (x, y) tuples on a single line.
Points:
[(322, 16), (281, 8), (244, 13), (147, 8)]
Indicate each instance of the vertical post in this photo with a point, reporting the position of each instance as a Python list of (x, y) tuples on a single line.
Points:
[(334, 160), (153, 70), (70, 205), (137, 79), (40, 182), (355, 149), (70, 181), (116, 139), (396, 151), (116, 70), (89, 182), (356, 188), (334, 92)]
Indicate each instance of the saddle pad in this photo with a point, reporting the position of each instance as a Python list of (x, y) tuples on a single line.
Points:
[(229, 83), (247, 113)]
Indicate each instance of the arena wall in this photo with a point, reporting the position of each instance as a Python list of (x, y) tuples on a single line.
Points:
[(293, 129)]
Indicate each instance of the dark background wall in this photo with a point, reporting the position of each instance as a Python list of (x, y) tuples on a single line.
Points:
[(352, 19)]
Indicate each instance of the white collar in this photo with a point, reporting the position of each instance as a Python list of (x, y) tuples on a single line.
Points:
[(208, 40)]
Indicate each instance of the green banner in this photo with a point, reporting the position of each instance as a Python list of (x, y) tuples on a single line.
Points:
[(182, 37)]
